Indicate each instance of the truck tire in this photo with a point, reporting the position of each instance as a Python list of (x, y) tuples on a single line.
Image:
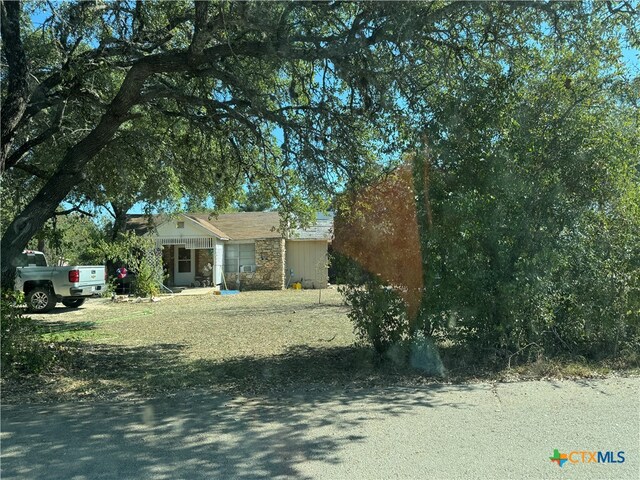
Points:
[(40, 300), (73, 302)]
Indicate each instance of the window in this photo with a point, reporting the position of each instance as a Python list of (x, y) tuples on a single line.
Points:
[(180, 225), (184, 260), (25, 259), (39, 260), (22, 260), (238, 255)]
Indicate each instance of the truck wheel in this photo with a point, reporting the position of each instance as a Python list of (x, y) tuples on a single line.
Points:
[(40, 300), (73, 302)]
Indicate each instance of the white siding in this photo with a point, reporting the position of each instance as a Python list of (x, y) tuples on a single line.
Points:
[(191, 236), (170, 229), (308, 260)]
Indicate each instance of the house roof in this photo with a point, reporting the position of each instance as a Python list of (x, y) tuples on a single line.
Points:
[(243, 225), (237, 226), (141, 224), (208, 226), (227, 226)]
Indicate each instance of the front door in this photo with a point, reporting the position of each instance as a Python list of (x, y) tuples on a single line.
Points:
[(185, 259)]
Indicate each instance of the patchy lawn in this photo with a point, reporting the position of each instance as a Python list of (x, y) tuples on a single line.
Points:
[(208, 327), (251, 343), (254, 343)]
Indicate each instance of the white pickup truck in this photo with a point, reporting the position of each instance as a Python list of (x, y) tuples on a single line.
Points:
[(44, 286)]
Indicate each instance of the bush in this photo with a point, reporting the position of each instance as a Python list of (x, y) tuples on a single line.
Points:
[(345, 270), (141, 256), (23, 351), (149, 274), (379, 315)]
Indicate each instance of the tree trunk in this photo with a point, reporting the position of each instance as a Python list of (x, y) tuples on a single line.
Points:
[(119, 223), (69, 173), (31, 220), (421, 180), (15, 103), (120, 220)]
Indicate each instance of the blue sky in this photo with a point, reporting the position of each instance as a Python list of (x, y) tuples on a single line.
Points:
[(632, 59)]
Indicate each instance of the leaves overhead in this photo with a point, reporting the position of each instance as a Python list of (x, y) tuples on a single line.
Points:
[(167, 103)]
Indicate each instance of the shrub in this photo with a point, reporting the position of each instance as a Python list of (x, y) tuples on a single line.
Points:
[(23, 351), (149, 273), (141, 256), (378, 313)]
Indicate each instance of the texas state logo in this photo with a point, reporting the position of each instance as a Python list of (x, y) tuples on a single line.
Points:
[(559, 458), (586, 456)]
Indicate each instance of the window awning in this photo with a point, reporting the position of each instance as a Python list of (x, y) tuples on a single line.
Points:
[(188, 242)]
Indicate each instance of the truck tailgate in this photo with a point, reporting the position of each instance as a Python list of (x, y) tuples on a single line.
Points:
[(91, 275)]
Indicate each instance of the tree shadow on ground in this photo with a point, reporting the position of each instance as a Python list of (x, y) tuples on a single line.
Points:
[(58, 310), (241, 418), (63, 326), (159, 368)]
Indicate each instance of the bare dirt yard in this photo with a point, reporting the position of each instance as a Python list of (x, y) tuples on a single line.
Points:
[(249, 343)]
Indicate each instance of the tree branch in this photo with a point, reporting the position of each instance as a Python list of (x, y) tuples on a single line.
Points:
[(165, 92), (201, 32), (32, 170), (17, 155), (74, 209)]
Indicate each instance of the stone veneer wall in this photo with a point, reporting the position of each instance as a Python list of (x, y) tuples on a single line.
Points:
[(270, 268)]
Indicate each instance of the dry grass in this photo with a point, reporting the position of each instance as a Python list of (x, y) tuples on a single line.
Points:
[(209, 327), (254, 343)]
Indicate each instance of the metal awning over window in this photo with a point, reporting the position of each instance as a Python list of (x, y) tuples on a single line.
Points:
[(188, 242)]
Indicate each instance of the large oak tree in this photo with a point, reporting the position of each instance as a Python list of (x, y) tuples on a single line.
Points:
[(193, 99)]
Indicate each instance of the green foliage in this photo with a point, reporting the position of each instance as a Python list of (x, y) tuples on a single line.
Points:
[(139, 255), (344, 270), (381, 319), (72, 239), (526, 181), (378, 314), (535, 233), (594, 309), (253, 117), (149, 273), (22, 350)]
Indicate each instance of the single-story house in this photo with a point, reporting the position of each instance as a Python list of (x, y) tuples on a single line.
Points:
[(243, 250)]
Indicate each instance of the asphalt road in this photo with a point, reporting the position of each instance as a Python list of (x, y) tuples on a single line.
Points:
[(440, 432)]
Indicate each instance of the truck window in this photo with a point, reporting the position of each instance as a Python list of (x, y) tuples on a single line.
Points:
[(22, 260), (26, 259), (40, 260)]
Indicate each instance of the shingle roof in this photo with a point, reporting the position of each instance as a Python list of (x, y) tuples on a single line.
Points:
[(238, 226), (208, 226), (243, 225), (141, 224), (232, 226)]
